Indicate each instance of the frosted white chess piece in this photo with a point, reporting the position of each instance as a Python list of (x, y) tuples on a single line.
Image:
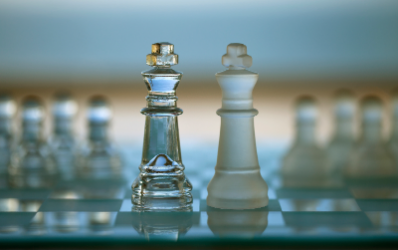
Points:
[(100, 159), (393, 141), (372, 156), (32, 164), (237, 183), (343, 140), (7, 112), (305, 160), (63, 142)]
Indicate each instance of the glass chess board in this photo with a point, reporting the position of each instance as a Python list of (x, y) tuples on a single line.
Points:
[(99, 212)]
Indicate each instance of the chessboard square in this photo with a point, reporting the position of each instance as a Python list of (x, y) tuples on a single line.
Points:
[(375, 193), (196, 193), (326, 219), (126, 206), (127, 193), (273, 205), (275, 219), (81, 205), (311, 193), (271, 194), (318, 205), (383, 219), (15, 219), (378, 205), (30, 194)]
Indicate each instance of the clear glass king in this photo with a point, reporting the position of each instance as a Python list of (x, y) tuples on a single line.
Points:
[(161, 184)]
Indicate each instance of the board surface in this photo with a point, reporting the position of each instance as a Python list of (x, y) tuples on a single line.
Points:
[(100, 211)]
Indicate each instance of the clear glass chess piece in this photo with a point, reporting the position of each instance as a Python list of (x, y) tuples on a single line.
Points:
[(99, 159), (63, 142), (393, 141), (161, 183), (371, 157), (32, 164), (343, 140), (7, 112), (305, 161)]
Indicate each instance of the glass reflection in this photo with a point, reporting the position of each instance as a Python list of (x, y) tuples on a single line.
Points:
[(247, 223), (155, 225)]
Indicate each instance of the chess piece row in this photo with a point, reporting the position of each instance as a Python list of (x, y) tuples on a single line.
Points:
[(33, 160), (368, 156)]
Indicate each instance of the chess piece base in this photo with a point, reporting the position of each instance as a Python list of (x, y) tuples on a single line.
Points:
[(244, 190), (157, 190), (156, 203)]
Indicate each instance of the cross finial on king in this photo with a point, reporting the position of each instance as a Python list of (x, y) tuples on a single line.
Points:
[(237, 57)]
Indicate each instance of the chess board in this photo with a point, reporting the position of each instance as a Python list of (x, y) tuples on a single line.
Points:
[(99, 212)]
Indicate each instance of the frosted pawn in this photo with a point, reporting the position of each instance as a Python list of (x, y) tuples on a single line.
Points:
[(305, 160), (343, 140), (372, 156)]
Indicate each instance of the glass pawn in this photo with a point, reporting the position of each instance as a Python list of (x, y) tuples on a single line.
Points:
[(305, 159), (99, 159), (63, 142), (7, 112), (161, 183), (393, 141), (372, 156), (343, 140), (32, 164)]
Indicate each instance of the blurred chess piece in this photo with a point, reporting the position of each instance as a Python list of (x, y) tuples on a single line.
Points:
[(343, 140), (32, 164), (100, 159), (63, 142), (393, 141), (304, 163), (161, 183), (163, 225), (232, 223), (237, 183), (372, 156), (7, 112)]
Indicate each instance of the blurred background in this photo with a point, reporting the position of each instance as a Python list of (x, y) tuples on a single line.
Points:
[(90, 47)]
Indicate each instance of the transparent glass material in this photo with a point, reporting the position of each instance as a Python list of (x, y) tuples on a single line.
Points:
[(99, 159), (7, 112), (305, 159), (343, 140), (393, 140), (63, 142), (32, 164), (161, 183), (372, 156)]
